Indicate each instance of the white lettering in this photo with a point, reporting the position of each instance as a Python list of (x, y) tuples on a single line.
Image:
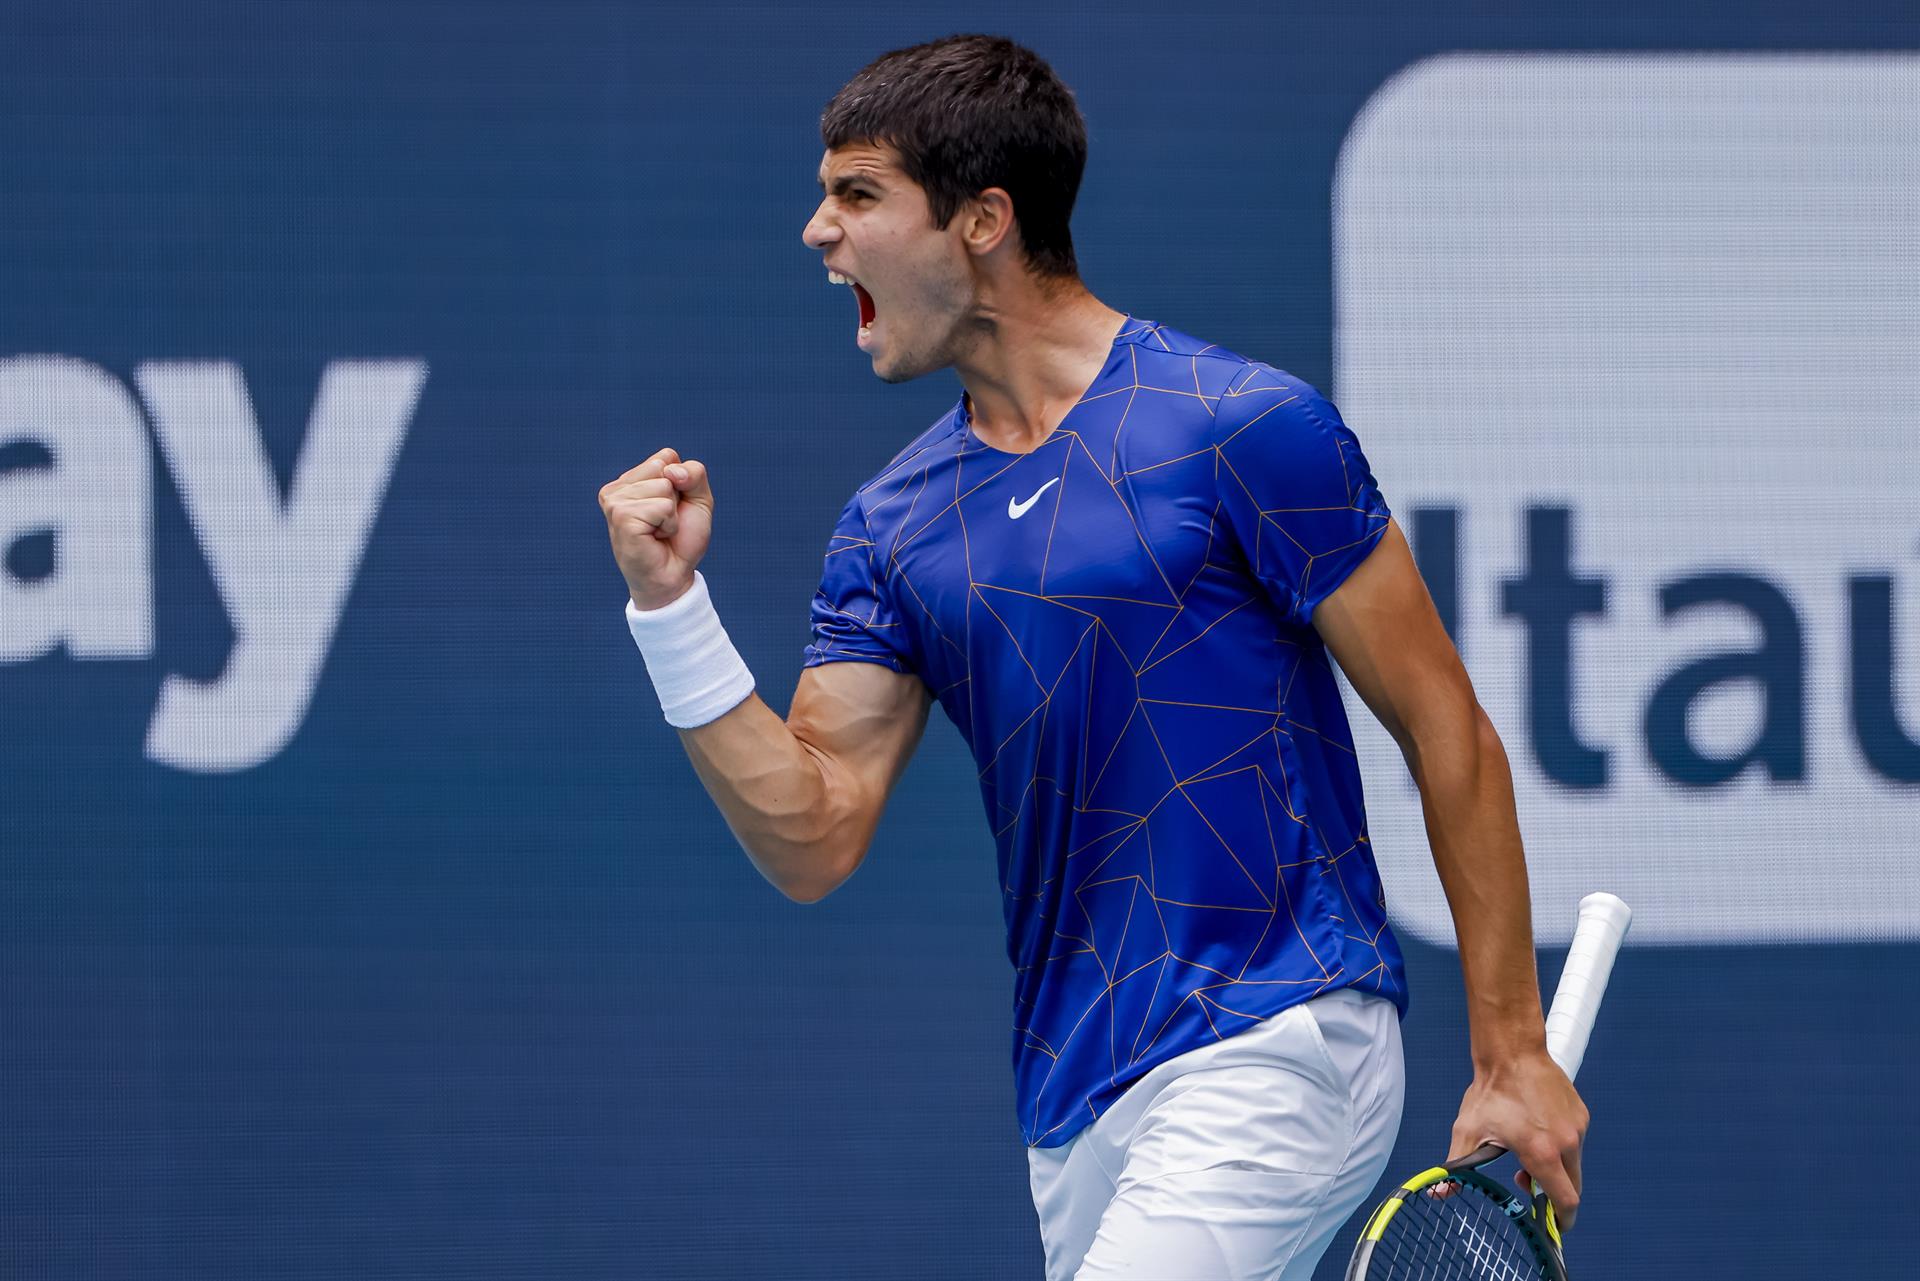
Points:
[(96, 500), (283, 568)]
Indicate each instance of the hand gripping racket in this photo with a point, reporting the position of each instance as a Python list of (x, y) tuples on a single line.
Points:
[(1477, 1229)]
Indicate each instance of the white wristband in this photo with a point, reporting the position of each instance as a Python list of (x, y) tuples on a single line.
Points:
[(695, 668)]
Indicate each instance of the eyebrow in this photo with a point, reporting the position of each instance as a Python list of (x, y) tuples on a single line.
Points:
[(845, 180)]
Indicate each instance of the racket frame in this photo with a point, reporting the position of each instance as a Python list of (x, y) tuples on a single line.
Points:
[(1533, 1217)]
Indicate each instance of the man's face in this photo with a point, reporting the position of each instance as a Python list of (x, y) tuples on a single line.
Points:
[(912, 281)]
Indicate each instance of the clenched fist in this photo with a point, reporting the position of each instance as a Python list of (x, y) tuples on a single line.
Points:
[(660, 517)]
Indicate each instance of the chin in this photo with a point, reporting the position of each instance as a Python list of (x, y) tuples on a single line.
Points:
[(904, 368)]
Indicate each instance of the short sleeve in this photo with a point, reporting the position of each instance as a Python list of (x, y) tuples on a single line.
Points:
[(853, 618), (1295, 489)]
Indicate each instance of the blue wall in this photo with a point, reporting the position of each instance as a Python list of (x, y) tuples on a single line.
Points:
[(469, 980)]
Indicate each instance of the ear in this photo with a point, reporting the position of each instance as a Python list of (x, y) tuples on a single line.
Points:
[(986, 221)]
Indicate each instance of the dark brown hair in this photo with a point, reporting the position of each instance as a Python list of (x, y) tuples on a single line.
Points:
[(965, 113)]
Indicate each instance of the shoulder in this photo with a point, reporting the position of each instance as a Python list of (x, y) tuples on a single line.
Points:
[(1285, 443), (1164, 359), (1267, 415), (935, 441), (1234, 388), (1259, 391), (906, 470)]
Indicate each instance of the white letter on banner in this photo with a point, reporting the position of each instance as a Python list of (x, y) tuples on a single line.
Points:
[(283, 569), (97, 501)]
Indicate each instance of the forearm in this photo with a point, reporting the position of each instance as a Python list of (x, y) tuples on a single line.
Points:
[(1466, 793), (775, 794), (773, 791), (1387, 637)]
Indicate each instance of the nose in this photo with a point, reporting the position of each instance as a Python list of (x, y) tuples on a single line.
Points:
[(820, 231)]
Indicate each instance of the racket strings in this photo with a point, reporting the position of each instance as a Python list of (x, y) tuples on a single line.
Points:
[(1465, 1237)]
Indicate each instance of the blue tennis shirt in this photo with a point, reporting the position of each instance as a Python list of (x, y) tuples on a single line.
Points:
[(1119, 624)]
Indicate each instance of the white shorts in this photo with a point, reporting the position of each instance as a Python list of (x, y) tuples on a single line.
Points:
[(1235, 1161)]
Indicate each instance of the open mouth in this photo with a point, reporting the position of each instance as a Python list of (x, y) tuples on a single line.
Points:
[(861, 296)]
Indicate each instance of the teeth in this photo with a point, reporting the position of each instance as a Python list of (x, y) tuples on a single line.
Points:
[(834, 277)]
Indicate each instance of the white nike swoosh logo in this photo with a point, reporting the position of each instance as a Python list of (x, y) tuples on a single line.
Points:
[(1017, 510)]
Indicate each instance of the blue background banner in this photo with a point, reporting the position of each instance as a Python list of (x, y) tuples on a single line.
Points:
[(360, 917)]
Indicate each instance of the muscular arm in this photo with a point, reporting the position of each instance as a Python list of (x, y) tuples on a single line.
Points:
[(1381, 627), (804, 795)]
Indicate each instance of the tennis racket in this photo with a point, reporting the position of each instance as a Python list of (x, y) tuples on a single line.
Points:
[(1453, 1221)]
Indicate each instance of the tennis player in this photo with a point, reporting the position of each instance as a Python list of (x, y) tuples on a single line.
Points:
[(1119, 563)]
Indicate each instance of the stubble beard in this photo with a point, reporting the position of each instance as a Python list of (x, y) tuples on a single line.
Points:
[(905, 363), (948, 307)]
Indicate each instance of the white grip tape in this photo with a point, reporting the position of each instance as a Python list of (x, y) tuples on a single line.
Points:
[(1603, 925)]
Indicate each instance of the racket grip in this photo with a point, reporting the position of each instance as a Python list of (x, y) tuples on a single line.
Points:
[(1603, 925)]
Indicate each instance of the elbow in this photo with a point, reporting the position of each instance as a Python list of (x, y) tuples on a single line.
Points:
[(1456, 737), (819, 841), (819, 875), (1486, 739), (807, 892), (1489, 737), (829, 848)]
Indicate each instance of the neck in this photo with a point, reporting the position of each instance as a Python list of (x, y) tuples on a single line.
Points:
[(1036, 353)]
